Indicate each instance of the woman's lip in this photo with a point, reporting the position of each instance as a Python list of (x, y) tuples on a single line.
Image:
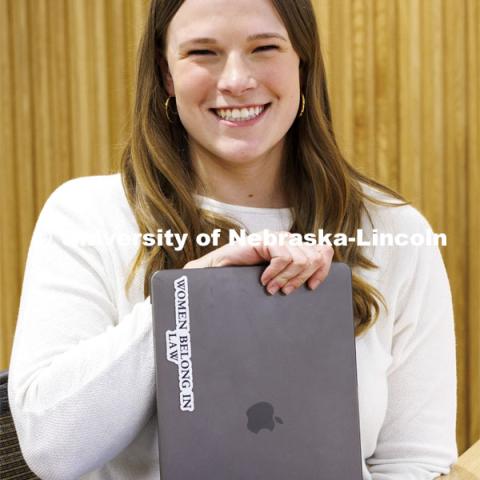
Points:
[(239, 107), (244, 123)]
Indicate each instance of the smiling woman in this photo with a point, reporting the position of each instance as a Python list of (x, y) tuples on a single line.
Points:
[(232, 129), (219, 73)]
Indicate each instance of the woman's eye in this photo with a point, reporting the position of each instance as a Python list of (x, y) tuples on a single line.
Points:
[(200, 52), (263, 48), (267, 47)]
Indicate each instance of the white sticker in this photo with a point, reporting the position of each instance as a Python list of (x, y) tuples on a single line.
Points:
[(179, 348)]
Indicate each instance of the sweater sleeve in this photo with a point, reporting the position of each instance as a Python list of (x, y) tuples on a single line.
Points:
[(417, 440), (81, 380)]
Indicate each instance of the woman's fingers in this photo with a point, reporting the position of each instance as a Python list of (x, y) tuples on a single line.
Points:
[(290, 266), (287, 263), (321, 273), (305, 263), (315, 262), (278, 263)]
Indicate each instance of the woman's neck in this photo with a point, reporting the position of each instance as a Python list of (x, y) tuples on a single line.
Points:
[(258, 183)]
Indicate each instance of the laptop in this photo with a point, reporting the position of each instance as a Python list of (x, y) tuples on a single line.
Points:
[(252, 386)]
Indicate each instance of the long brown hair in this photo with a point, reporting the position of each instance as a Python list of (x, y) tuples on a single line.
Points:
[(324, 190)]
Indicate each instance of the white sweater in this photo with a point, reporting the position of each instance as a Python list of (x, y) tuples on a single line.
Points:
[(82, 386)]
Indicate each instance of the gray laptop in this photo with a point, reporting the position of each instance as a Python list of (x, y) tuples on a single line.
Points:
[(252, 386)]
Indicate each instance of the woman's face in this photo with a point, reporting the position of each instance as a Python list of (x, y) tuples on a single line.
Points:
[(235, 76)]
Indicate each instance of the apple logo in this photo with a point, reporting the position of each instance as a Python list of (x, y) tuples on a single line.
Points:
[(260, 415)]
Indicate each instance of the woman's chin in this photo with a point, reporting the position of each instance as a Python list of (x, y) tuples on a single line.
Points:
[(239, 158), (238, 153)]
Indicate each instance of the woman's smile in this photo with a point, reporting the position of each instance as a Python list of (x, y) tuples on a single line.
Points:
[(239, 116)]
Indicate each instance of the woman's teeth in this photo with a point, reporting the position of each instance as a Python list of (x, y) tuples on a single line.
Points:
[(239, 115)]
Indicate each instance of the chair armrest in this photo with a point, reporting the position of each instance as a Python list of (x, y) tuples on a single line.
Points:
[(467, 467)]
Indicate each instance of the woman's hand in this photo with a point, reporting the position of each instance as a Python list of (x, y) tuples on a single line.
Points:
[(289, 266)]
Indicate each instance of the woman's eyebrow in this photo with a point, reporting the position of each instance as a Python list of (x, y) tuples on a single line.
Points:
[(204, 40), (260, 36), (257, 36)]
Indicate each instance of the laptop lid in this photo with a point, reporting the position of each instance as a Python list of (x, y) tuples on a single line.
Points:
[(254, 386)]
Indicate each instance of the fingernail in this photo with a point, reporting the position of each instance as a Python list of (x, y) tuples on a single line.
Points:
[(314, 284), (273, 289), (287, 290)]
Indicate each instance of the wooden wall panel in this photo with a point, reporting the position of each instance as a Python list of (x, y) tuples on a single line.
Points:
[(363, 83), (404, 80), (10, 266), (340, 75), (472, 292), (23, 112), (455, 189), (385, 94), (41, 94), (409, 99), (433, 118), (60, 107)]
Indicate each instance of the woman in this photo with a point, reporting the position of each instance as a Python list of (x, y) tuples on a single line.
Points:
[(232, 128)]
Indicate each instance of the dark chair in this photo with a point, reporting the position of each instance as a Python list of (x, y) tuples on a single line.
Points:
[(12, 464)]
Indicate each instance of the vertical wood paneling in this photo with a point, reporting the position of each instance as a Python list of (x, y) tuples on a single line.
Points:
[(79, 41), (432, 102), (61, 96), (102, 145), (341, 76), (117, 70), (409, 106), (134, 14), (363, 85), (455, 190), (9, 256), (322, 11), (41, 93), (473, 189), (404, 79), (23, 106), (385, 77)]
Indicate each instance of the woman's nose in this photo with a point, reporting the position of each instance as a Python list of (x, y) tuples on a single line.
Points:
[(236, 76)]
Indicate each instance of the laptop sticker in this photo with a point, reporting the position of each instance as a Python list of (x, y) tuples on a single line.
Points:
[(179, 348)]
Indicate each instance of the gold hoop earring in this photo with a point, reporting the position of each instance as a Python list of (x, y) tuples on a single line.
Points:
[(166, 104), (302, 108)]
